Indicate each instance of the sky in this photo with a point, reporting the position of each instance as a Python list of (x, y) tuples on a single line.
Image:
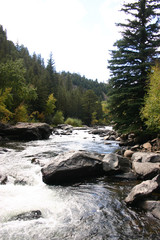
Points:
[(79, 33)]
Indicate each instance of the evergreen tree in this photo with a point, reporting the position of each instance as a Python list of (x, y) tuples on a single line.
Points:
[(52, 76), (89, 106), (131, 61)]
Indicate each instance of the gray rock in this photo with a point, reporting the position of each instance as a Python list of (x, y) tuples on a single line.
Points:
[(114, 163), (64, 126), (146, 170), (35, 161), (20, 182), (100, 131), (27, 216), (72, 167), (26, 131), (152, 207), (145, 157), (3, 178), (143, 190)]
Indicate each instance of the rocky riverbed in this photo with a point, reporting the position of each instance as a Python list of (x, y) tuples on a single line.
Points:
[(91, 180)]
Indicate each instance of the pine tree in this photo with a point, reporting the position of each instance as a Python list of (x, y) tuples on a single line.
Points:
[(131, 62), (89, 106), (52, 76)]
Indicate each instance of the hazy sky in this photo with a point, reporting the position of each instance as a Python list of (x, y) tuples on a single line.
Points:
[(79, 33)]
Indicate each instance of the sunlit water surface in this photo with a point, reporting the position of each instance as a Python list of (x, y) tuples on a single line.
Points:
[(90, 210)]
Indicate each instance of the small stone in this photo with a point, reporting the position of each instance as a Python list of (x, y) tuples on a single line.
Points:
[(128, 153), (147, 146), (118, 139), (3, 178), (135, 147), (35, 161)]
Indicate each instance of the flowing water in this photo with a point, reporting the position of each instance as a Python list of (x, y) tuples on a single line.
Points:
[(89, 210)]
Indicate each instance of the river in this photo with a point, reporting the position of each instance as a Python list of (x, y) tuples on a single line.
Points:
[(89, 210)]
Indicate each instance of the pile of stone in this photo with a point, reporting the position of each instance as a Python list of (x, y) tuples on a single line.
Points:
[(107, 134), (75, 166)]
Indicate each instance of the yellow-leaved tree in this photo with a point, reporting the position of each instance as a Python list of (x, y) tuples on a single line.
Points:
[(50, 106), (150, 113), (5, 113)]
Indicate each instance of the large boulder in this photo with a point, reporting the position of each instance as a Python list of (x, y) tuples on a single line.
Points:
[(72, 167), (114, 163), (145, 157), (26, 131), (146, 170), (143, 190)]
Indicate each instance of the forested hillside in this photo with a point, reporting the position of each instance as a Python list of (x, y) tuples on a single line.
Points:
[(33, 91)]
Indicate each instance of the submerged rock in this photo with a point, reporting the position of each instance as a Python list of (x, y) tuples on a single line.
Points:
[(27, 216), (26, 131), (72, 167), (3, 178), (143, 190)]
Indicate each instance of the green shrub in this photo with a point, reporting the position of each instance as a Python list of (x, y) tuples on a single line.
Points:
[(58, 118), (74, 122)]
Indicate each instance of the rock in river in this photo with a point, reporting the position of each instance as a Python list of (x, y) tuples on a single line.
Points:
[(76, 165), (72, 167), (26, 131), (3, 178), (114, 163), (143, 190), (27, 216)]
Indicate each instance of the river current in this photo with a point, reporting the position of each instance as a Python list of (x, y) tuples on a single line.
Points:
[(89, 210)]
